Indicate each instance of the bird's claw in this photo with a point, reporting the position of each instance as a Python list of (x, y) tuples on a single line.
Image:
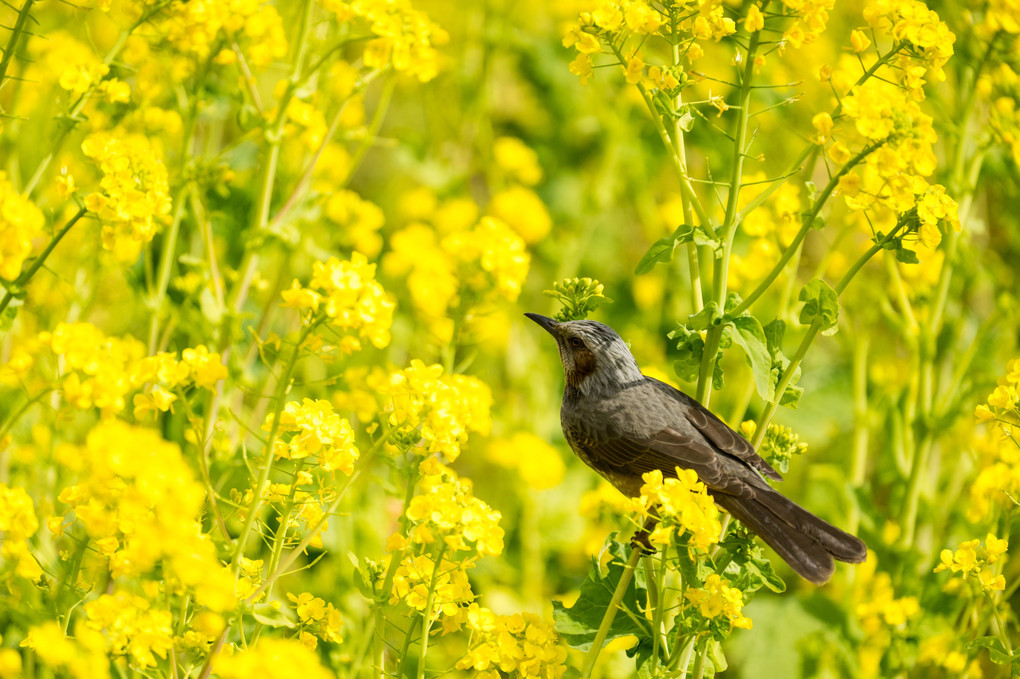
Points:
[(641, 542)]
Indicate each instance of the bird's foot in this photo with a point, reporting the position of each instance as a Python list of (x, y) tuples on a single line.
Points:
[(641, 542)]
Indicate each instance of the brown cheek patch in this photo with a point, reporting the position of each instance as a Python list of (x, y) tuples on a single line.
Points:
[(584, 365)]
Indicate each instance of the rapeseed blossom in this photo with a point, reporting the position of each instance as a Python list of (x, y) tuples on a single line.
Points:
[(132, 485), (520, 643), (682, 504), (20, 222), (18, 523), (312, 428), (446, 511), (972, 561), (716, 599), (272, 658), (133, 202), (347, 296)]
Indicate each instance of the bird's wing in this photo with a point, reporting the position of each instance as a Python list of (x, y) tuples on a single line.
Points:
[(667, 449), (717, 431)]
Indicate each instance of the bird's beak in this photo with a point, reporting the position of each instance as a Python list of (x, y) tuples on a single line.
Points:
[(549, 324)]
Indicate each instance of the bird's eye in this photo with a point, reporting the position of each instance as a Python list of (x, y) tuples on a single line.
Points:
[(576, 342)]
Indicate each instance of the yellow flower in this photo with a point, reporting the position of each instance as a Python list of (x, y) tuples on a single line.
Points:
[(717, 599), (523, 211), (518, 160), (859, 41), (520, 645), (446, 509), (134, 202), (272, 657), (20, 222), (755, 20), (682, 502)]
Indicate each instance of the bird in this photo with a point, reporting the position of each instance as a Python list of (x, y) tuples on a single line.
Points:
[(623, 424)]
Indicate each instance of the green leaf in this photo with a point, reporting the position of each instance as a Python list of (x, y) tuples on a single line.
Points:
[(662, 249), (774, 332), (751, 337), (685, 120), (709, 316), (271, 616), (791, 397), (579, 624), (996, 651), (906, 256), (820, 305)]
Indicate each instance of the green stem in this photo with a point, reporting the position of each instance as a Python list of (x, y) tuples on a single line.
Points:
[(288, 561), (12, 42), (686, 188), (68, 122), (426, 623), (166, 262), (859, 468), (607, 618), (278, 398), (806, 223), (27, 274), (812, 332), (722, 261), (391, 571), (267, 171)]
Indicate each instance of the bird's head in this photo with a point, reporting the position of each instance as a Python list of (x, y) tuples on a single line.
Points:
[(594, 357)]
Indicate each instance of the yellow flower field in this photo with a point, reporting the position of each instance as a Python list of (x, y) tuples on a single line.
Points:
[(270, 407)]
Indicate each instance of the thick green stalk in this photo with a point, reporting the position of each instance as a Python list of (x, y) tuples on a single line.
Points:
[(722, 261), (610, 614)]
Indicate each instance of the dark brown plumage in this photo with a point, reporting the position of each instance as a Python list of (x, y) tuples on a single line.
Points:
[(623, 424)]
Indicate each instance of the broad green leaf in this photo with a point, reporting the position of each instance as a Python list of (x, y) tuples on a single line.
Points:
[(774, 331), (750, 336), (820, 305), (662, 249), (270, 616), (996, 651), (906, 256), (709, 316), (579, 624)]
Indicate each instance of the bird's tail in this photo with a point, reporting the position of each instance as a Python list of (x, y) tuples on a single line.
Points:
[(805, 541)]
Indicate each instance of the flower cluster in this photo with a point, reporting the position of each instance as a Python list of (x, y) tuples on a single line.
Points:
[(883, 616), (272, 657), (913, 23), (134, 200), (682, 504), (82, 656), (521, 644), (20, 222), (135, 485), (162, 373), (405, 36), (98, 370), (779, 445), (132, 627), (1004, 402), (418, 575), (347, 295), (202, 27), (717, 600), (437, 410), (446, 510), (313, 429), (810, 18), (18, 523), (458, 263), (359, 220), (316, 620), (972, 560)]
